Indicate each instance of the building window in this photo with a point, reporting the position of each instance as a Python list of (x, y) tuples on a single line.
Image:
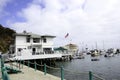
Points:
[(28, 39), (29, 47), (47, 50), (36, 40), (19, 49), (45, 40)]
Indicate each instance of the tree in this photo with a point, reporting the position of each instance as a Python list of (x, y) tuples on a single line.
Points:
[(6, 38)]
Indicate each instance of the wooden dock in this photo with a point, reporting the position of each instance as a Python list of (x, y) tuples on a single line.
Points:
[(30, 74)]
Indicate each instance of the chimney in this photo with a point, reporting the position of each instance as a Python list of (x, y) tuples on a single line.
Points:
[(24, 32)]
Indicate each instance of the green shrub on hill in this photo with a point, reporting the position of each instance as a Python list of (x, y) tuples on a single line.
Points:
[(6, 38)]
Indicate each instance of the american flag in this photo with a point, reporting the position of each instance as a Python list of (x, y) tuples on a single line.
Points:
[(66, 35)]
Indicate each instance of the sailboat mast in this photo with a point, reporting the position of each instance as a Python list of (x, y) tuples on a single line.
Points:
[(103, 45), (96, 45)]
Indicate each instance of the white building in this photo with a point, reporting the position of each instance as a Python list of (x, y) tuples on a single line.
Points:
[(72, 48), (33, 46)]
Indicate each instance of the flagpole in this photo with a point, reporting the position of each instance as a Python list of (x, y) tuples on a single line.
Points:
[(96, 45), (103, 45)]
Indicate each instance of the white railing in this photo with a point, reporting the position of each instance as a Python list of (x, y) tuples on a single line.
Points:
[(26, 55)]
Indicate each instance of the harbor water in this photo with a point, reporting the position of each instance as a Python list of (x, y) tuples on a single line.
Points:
[(107, 68)]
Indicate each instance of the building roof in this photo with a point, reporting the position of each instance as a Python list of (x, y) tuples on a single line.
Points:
[(33, 35), (71, 46), (21, 34), (28, 34), (60, 49), (48, 36)]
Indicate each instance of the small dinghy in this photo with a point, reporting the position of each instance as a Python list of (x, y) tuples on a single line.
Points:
[(95, 59)]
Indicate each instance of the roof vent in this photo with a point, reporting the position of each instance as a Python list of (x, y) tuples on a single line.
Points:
[(24, 32)]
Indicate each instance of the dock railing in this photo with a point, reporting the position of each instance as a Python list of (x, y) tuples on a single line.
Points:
[(3, 70), (64, 74)]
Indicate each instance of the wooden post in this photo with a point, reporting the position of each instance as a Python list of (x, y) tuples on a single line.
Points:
[(62, 73), (28, 63), (45, 69), (90, 75), (17, 63), (35, 64), (20, 63), (23, 62)]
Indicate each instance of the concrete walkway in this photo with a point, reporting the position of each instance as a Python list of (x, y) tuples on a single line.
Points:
[(30, 74)]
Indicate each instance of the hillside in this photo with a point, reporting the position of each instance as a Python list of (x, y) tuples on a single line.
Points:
[(6, 38)]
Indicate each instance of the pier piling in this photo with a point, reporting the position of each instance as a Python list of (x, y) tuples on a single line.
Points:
[(45, 69), (62, 73), (90, 75)]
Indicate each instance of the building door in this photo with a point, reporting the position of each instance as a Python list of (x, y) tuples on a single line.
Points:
[(33, 51)]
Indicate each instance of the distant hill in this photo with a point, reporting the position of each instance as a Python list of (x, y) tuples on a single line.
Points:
[(6, 38)]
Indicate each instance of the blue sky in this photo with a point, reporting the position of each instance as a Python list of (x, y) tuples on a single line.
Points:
[(86, 21), (11, 9)]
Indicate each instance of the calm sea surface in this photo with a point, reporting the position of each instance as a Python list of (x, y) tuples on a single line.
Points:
[(77, 69)]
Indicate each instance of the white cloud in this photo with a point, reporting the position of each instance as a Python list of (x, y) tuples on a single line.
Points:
[(98, 21)]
